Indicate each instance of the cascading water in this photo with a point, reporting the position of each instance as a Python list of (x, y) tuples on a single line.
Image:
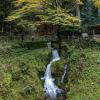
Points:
[(55, 55), (63, 76), (49, 45), (49, 86)]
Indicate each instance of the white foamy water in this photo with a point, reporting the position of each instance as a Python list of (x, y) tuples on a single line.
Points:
[(49, 45), (63, 76), (50, 87), (55, 55)]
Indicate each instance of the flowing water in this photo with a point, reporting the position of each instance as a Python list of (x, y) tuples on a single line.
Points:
[(63, 76), (50, 87)]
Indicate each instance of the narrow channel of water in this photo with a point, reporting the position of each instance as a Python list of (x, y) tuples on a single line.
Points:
[(50, 87)]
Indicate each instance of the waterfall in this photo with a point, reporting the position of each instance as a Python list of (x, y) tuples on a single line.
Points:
[(49, 45), (63, 76), (55, 55), (50, 88)]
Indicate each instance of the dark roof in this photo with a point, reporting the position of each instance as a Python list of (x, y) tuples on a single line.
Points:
[(95, 24)]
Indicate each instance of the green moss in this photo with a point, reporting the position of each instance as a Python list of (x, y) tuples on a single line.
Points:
[(21, 68)]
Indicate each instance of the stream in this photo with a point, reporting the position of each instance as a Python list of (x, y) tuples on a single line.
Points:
[(50, 88)]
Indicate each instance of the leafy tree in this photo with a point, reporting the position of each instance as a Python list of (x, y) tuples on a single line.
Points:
[(5, 9), (24, 7), (97, 4), (56, 15), (58, 20), (28, 14), (23, 15)]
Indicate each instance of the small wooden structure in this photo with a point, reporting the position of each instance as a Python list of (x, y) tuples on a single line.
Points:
[(46, 29), (94, 29)]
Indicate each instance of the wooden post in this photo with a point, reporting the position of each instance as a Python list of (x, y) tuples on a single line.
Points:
[(93, 33)]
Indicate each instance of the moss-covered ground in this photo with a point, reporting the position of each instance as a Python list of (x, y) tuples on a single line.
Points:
[(22, 66)]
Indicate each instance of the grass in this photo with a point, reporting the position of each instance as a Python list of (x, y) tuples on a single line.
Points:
[(84, 75), (22, 66)]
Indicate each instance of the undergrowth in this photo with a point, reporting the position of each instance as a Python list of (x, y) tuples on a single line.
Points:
[(22, 66)]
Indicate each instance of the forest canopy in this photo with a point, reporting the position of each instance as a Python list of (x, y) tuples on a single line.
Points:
[(32, 13)]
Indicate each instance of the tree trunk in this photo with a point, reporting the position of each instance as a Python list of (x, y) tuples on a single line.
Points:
[(89, 7), (78, 11), (59, 43), (99, 12)]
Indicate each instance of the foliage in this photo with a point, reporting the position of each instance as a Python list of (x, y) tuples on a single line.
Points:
[(96, 3), (22, 67), (23, 15), (24, 7), (38, 13)]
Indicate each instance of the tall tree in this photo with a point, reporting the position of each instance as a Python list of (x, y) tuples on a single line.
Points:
[(23, 15), (77, 2), (97, 4), (89, 6), (5, 8), (33, 13)]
